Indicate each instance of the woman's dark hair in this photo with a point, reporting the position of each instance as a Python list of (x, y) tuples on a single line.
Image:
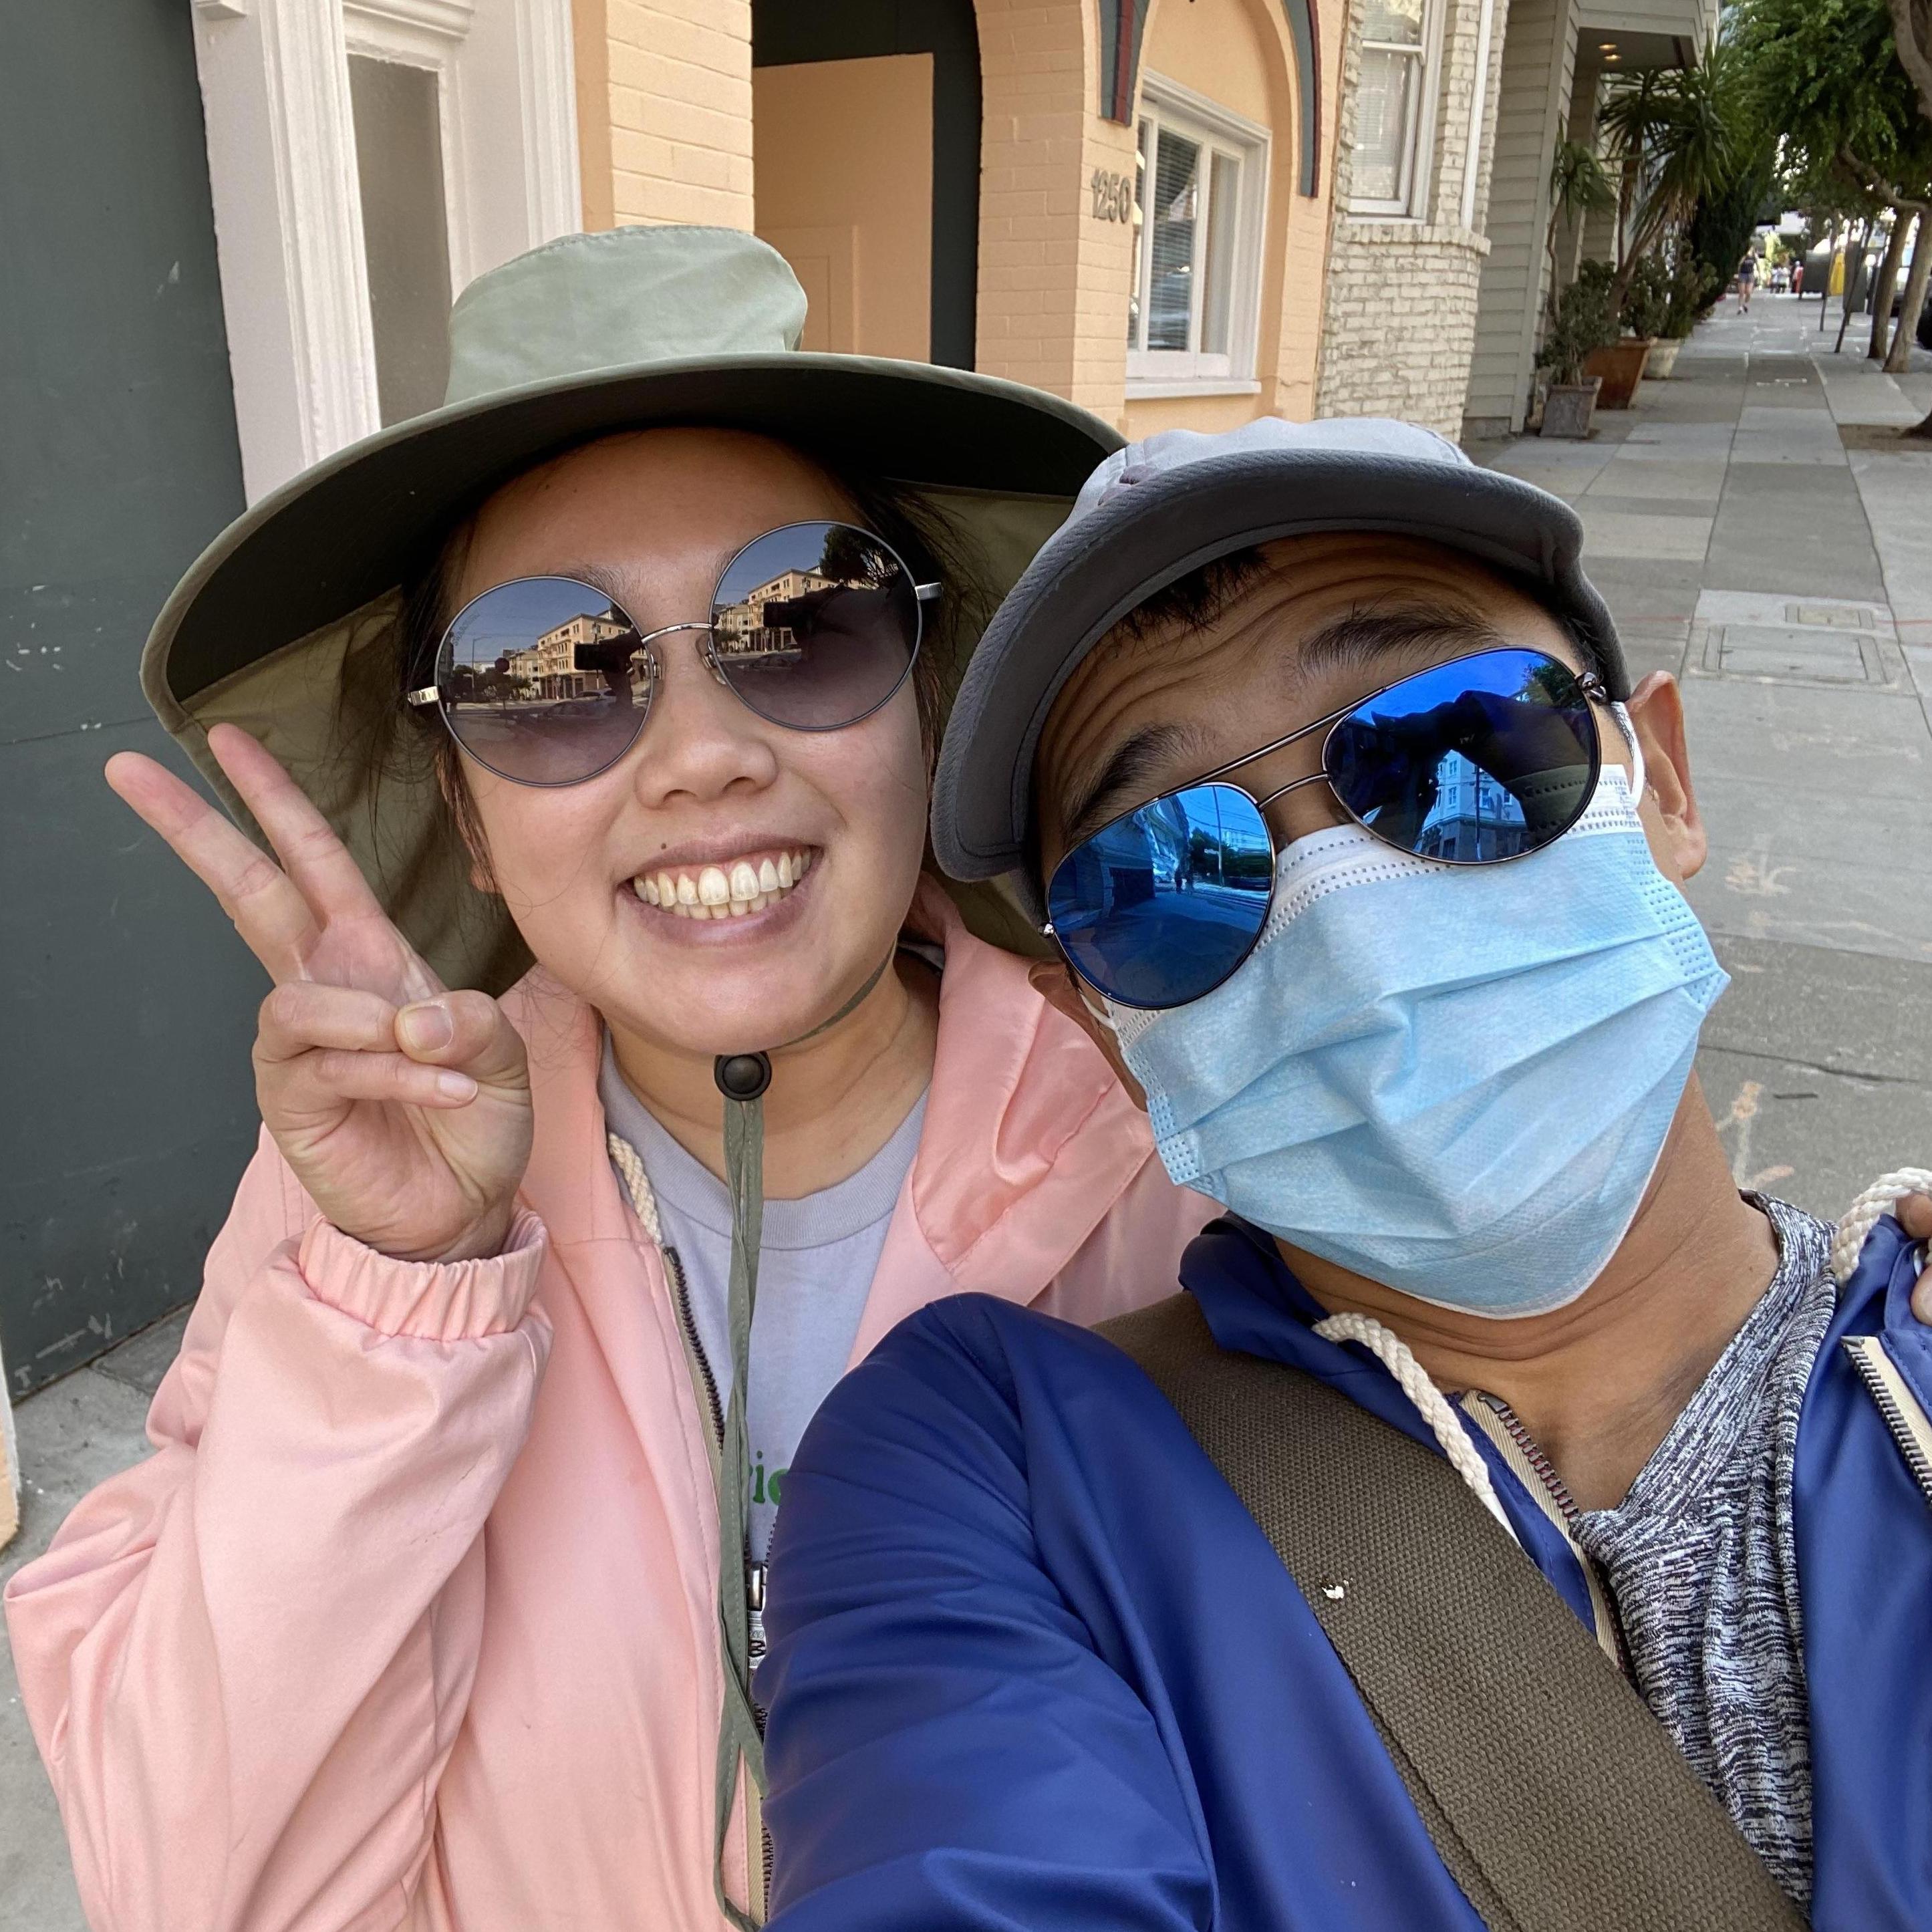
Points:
[(935, 549)]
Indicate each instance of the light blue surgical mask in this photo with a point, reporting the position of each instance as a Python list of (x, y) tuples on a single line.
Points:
[(1456, 1080)]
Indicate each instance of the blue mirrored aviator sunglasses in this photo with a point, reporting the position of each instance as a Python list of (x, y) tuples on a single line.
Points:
[(1483, 759)]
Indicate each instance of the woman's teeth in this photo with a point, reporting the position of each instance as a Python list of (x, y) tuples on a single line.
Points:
[(723, 891)]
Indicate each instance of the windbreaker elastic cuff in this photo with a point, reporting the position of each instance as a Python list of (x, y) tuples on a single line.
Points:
[(438, 1301)]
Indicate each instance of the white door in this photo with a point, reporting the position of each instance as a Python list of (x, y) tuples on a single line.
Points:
[(368, 159)]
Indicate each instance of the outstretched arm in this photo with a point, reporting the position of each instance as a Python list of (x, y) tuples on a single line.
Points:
[(947, 1750)]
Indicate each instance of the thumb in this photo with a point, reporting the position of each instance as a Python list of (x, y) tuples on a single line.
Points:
[(468, 1030), (1915, 1216)]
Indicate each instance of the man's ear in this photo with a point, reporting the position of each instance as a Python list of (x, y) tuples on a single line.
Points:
[(1056, 985), (1672, 820)]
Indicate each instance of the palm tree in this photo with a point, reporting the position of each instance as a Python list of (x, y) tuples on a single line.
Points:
[(1671, 136)]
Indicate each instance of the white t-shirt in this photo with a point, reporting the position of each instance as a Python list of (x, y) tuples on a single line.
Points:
[(815, 1267)]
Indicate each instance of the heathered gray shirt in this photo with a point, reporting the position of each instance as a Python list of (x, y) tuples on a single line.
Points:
[(1700, 1560), (815, 1267)]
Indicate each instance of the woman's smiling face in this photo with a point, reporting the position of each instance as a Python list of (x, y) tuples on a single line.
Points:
[(829, 826)]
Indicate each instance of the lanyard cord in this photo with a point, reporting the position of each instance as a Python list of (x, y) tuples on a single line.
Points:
[(742, 1079)]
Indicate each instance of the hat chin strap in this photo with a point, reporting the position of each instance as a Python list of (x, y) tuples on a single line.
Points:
[(742, 1079)]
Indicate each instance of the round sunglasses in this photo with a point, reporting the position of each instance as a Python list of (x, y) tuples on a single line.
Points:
[(548, 680), (1484, 759)]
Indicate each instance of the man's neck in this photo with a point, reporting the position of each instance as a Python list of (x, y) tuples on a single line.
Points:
[(1599, 1383)]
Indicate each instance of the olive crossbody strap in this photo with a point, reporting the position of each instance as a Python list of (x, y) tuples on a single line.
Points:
[(1557, 1801)]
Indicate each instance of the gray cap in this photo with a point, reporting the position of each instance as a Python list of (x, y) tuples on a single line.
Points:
[(1157, 510)]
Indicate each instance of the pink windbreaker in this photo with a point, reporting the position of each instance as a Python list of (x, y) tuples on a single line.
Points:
[(410, 1619)]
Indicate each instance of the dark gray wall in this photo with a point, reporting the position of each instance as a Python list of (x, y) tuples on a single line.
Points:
[(129, 1002)]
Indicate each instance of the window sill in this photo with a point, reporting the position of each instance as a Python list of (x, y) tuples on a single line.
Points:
[(1150, 389)]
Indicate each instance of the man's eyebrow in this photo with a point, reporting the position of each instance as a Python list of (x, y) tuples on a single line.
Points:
[(1125, 776), (1362, 636), (1358, 638)]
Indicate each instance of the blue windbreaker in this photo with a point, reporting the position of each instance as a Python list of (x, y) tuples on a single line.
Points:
[(1033, 1666)]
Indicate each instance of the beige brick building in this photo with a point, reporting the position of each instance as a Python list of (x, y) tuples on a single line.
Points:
[(1125, 202), (1450, 111)]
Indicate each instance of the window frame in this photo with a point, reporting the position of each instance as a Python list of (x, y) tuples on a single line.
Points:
[(282, 171), (1218, 130), (1416, 173)]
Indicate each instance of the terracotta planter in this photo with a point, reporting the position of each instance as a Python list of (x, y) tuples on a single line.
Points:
[(1664, 354), (1567, 408), (1621, 365)]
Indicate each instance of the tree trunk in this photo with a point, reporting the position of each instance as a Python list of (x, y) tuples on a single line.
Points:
[(1900, 360), (1887, 284)]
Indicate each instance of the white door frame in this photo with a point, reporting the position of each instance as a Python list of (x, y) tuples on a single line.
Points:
[(288, 219)]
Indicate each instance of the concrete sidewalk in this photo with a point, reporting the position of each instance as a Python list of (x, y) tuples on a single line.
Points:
[(1787, 581)]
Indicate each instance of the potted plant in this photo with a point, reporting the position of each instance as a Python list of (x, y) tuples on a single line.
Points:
[(1690, 283), (1646, 310), (1617, 359), (1582, 324)]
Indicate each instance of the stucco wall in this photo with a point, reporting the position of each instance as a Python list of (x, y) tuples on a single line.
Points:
[(1237, 53), (1399, 313), (1053, 280)]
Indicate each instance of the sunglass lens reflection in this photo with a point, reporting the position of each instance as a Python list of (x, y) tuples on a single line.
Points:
[(1161, 906), (815, 625), (543, 680), (1489, 758)]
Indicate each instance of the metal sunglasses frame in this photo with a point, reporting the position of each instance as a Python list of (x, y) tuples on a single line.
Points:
[(1595, 690), (923, 594)]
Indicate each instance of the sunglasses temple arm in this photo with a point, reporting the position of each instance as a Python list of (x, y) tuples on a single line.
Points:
[(1639, 776)]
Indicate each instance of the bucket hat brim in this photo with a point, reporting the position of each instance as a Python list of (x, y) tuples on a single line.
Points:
[(269, 626)]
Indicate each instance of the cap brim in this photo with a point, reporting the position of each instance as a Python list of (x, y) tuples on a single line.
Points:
[(356, 525), (1100, 566)]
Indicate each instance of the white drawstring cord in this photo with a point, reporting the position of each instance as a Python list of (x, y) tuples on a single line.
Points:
[(1431, 1404), (643, 1202), (1864, 1213)]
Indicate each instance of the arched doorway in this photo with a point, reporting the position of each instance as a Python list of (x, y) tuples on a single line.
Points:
[(827, 193)]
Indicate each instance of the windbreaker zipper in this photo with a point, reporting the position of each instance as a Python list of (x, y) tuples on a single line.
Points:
[(680, 1300), (1532, 1454), (1895, 1403), (1610, 1619)]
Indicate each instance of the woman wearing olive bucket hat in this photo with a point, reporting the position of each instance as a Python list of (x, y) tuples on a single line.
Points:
[(629, 659)]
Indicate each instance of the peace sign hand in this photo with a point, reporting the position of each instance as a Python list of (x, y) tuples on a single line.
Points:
[(403, 1109)]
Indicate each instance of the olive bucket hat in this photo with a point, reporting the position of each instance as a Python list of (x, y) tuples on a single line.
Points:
[(289, 624)]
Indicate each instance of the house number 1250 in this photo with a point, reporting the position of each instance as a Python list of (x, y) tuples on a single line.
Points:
[(1113, 196)]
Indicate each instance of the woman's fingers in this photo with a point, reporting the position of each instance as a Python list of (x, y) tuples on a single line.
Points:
[(1915, 1216), (270, 915), (304, 1014), (467, 1030), (347, 1075)]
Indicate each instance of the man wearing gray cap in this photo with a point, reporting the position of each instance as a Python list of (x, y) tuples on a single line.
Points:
[(1510, 1525)]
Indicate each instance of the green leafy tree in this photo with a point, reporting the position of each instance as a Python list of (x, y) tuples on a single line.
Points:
[(1673, 136), (1835, 78)]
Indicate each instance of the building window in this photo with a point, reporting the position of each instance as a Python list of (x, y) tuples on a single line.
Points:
[(1393, 106), (1200, 178)]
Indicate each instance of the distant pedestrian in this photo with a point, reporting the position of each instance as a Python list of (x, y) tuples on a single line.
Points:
[(1798, 278), (1747, 280)]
